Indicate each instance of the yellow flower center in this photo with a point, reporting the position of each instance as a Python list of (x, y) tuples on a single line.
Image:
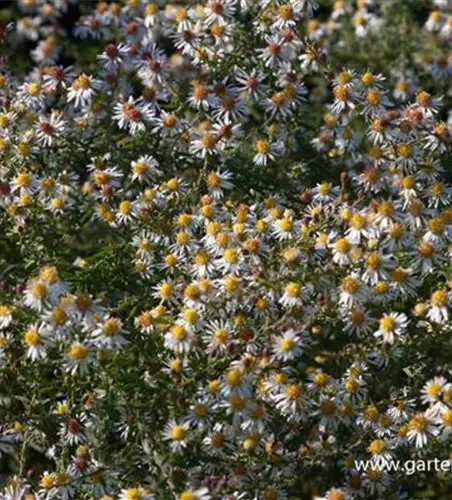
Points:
[(344, 77), (230, 255), (327, 407), (446, 418), (57, 203), (222, 239), (350, 285), (192, 291), (321, 379), (100, 178), (178, 332), (367, 79), (373, 261), (133, 494), (436, 225), (166, 290), (293, 289), (34, 88), (433, 389), (293, 392), (372, 414), (232, 284), (386, 208), (39, 291), (4, 311), (287, 344), (285, 224), (439, 298), (324, 188), (23, 179), (377, 446), (171, 260), (285, 12), (59, 315), (176, 365), (151, 9), (213, 180), (387, 323), (221, 336), (425, 249), (261, 146), (188, 495), (234, 377), (396, 230), (217, 29), (4, 121), (140, 168), (237, 402), (424, 99), (418, 423), (358, 221), (214, 386), (111, 327), (24, 148), (191, 315), (125, 207), (351, 385), (404, 150), (178, 433), (145, 319), (48, 481), (169, 121), (78, 352), (398, 275), (32, 337), (81, 83), (373, 97), (200, 410), (201, 258), (341, 93), (173, 184), (208, 140), (217, 439), (342, 246), (408, 182), (200, 92)]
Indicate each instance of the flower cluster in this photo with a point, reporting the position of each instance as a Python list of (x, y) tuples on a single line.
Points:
[(225, 261)]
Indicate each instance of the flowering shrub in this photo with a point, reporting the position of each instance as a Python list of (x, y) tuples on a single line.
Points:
[(225, 252)]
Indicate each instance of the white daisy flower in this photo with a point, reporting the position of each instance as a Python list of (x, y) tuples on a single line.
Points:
[(82, 90), (421, 428), (37, 340), (288, 346), (392, 325), (108, 334)]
